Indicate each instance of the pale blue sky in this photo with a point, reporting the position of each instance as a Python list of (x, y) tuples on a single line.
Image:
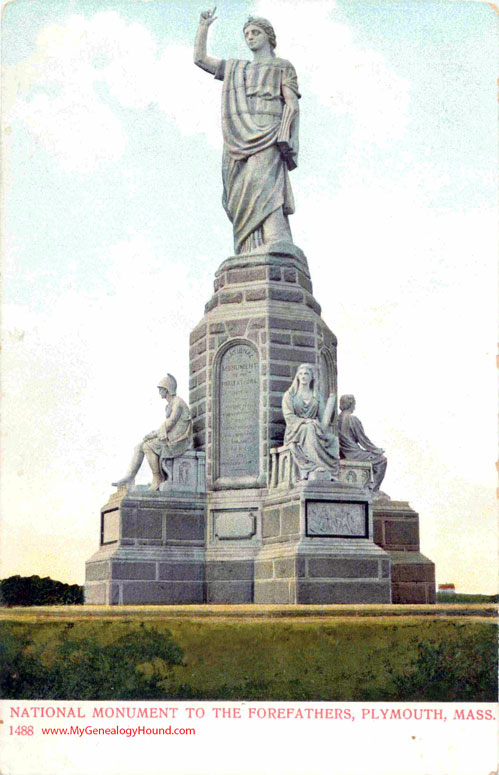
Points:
[(114, 229)]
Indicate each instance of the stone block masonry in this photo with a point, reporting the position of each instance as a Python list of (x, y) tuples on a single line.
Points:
[(396, 530), (257, 534), (155, 552), (258, 327)]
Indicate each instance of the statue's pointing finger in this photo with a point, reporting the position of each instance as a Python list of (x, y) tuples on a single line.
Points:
[(208, 16)]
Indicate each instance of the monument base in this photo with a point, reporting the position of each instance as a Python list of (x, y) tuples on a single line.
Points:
[(318, 547), (338, 574), (233, 538), (413, 578), (152, 550), (396, 530), (296, 542)]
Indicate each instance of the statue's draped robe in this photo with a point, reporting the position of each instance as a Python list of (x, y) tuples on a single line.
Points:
[(355, 445), (177, 428), (312, 445), (255, 175)]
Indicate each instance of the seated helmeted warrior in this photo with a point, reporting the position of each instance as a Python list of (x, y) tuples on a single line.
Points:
[(355, 445), (172, 439)]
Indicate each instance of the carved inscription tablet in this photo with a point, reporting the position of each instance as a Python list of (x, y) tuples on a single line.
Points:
[(239, 410), (337, 519), (233, 525), (110, 526)]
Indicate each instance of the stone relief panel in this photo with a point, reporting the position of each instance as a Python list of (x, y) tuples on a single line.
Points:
[(356, 472), (237, 393), (337, 519)]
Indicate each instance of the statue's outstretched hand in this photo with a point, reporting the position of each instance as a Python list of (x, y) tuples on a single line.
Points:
[(208, 17)]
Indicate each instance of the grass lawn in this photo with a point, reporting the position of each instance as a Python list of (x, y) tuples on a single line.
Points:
[(172, 657)]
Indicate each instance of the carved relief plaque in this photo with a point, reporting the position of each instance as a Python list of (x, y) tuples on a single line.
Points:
[(337, 519), (239, 412)]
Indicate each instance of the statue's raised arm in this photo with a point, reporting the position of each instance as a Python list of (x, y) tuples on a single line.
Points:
[(201, 58), (260, 132)]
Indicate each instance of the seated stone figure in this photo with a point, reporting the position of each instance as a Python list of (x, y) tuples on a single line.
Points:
[(313, 445), (172, 439), (355, 445)]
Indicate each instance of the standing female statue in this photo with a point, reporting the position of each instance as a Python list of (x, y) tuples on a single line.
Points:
[(260, 132), (308, 433)]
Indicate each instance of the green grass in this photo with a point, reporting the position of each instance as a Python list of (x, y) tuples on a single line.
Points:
[(461, 598), (251, 659)]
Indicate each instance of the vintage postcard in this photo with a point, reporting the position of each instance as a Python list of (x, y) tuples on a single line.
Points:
[(282, 214)]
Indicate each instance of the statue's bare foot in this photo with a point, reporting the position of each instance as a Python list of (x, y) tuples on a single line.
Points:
[(156, 481), (123, 482)]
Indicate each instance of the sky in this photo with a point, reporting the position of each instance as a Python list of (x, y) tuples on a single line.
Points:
[(113, 230)]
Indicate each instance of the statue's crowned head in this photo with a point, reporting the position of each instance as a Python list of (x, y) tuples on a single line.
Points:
[(169, 383), (347, 402), (265, 25)]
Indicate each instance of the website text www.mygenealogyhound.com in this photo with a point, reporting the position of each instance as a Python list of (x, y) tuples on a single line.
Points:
[(116, 730)]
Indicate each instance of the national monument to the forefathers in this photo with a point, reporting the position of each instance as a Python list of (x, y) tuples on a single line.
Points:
[(265, 488)]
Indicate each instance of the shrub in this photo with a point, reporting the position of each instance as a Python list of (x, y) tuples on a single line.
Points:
[(33, 590)]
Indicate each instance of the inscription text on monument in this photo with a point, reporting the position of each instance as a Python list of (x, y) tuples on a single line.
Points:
[(239, 410)]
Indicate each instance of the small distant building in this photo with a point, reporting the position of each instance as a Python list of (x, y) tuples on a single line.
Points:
[(446, 589)]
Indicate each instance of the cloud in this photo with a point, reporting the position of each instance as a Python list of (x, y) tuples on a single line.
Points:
[(66, 93), (351, 80), (81, 135)]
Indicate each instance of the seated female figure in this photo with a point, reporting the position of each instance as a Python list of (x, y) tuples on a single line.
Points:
[(314, 446)]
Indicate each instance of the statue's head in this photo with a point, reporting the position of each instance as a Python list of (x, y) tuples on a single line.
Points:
[(168, 384), (305, 374), (254, 27), (347, 402)]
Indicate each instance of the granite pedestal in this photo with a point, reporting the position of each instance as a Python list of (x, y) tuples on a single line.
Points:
[(260, 324), (317, 539), (245, 529), (151, 547), (396, 530)]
